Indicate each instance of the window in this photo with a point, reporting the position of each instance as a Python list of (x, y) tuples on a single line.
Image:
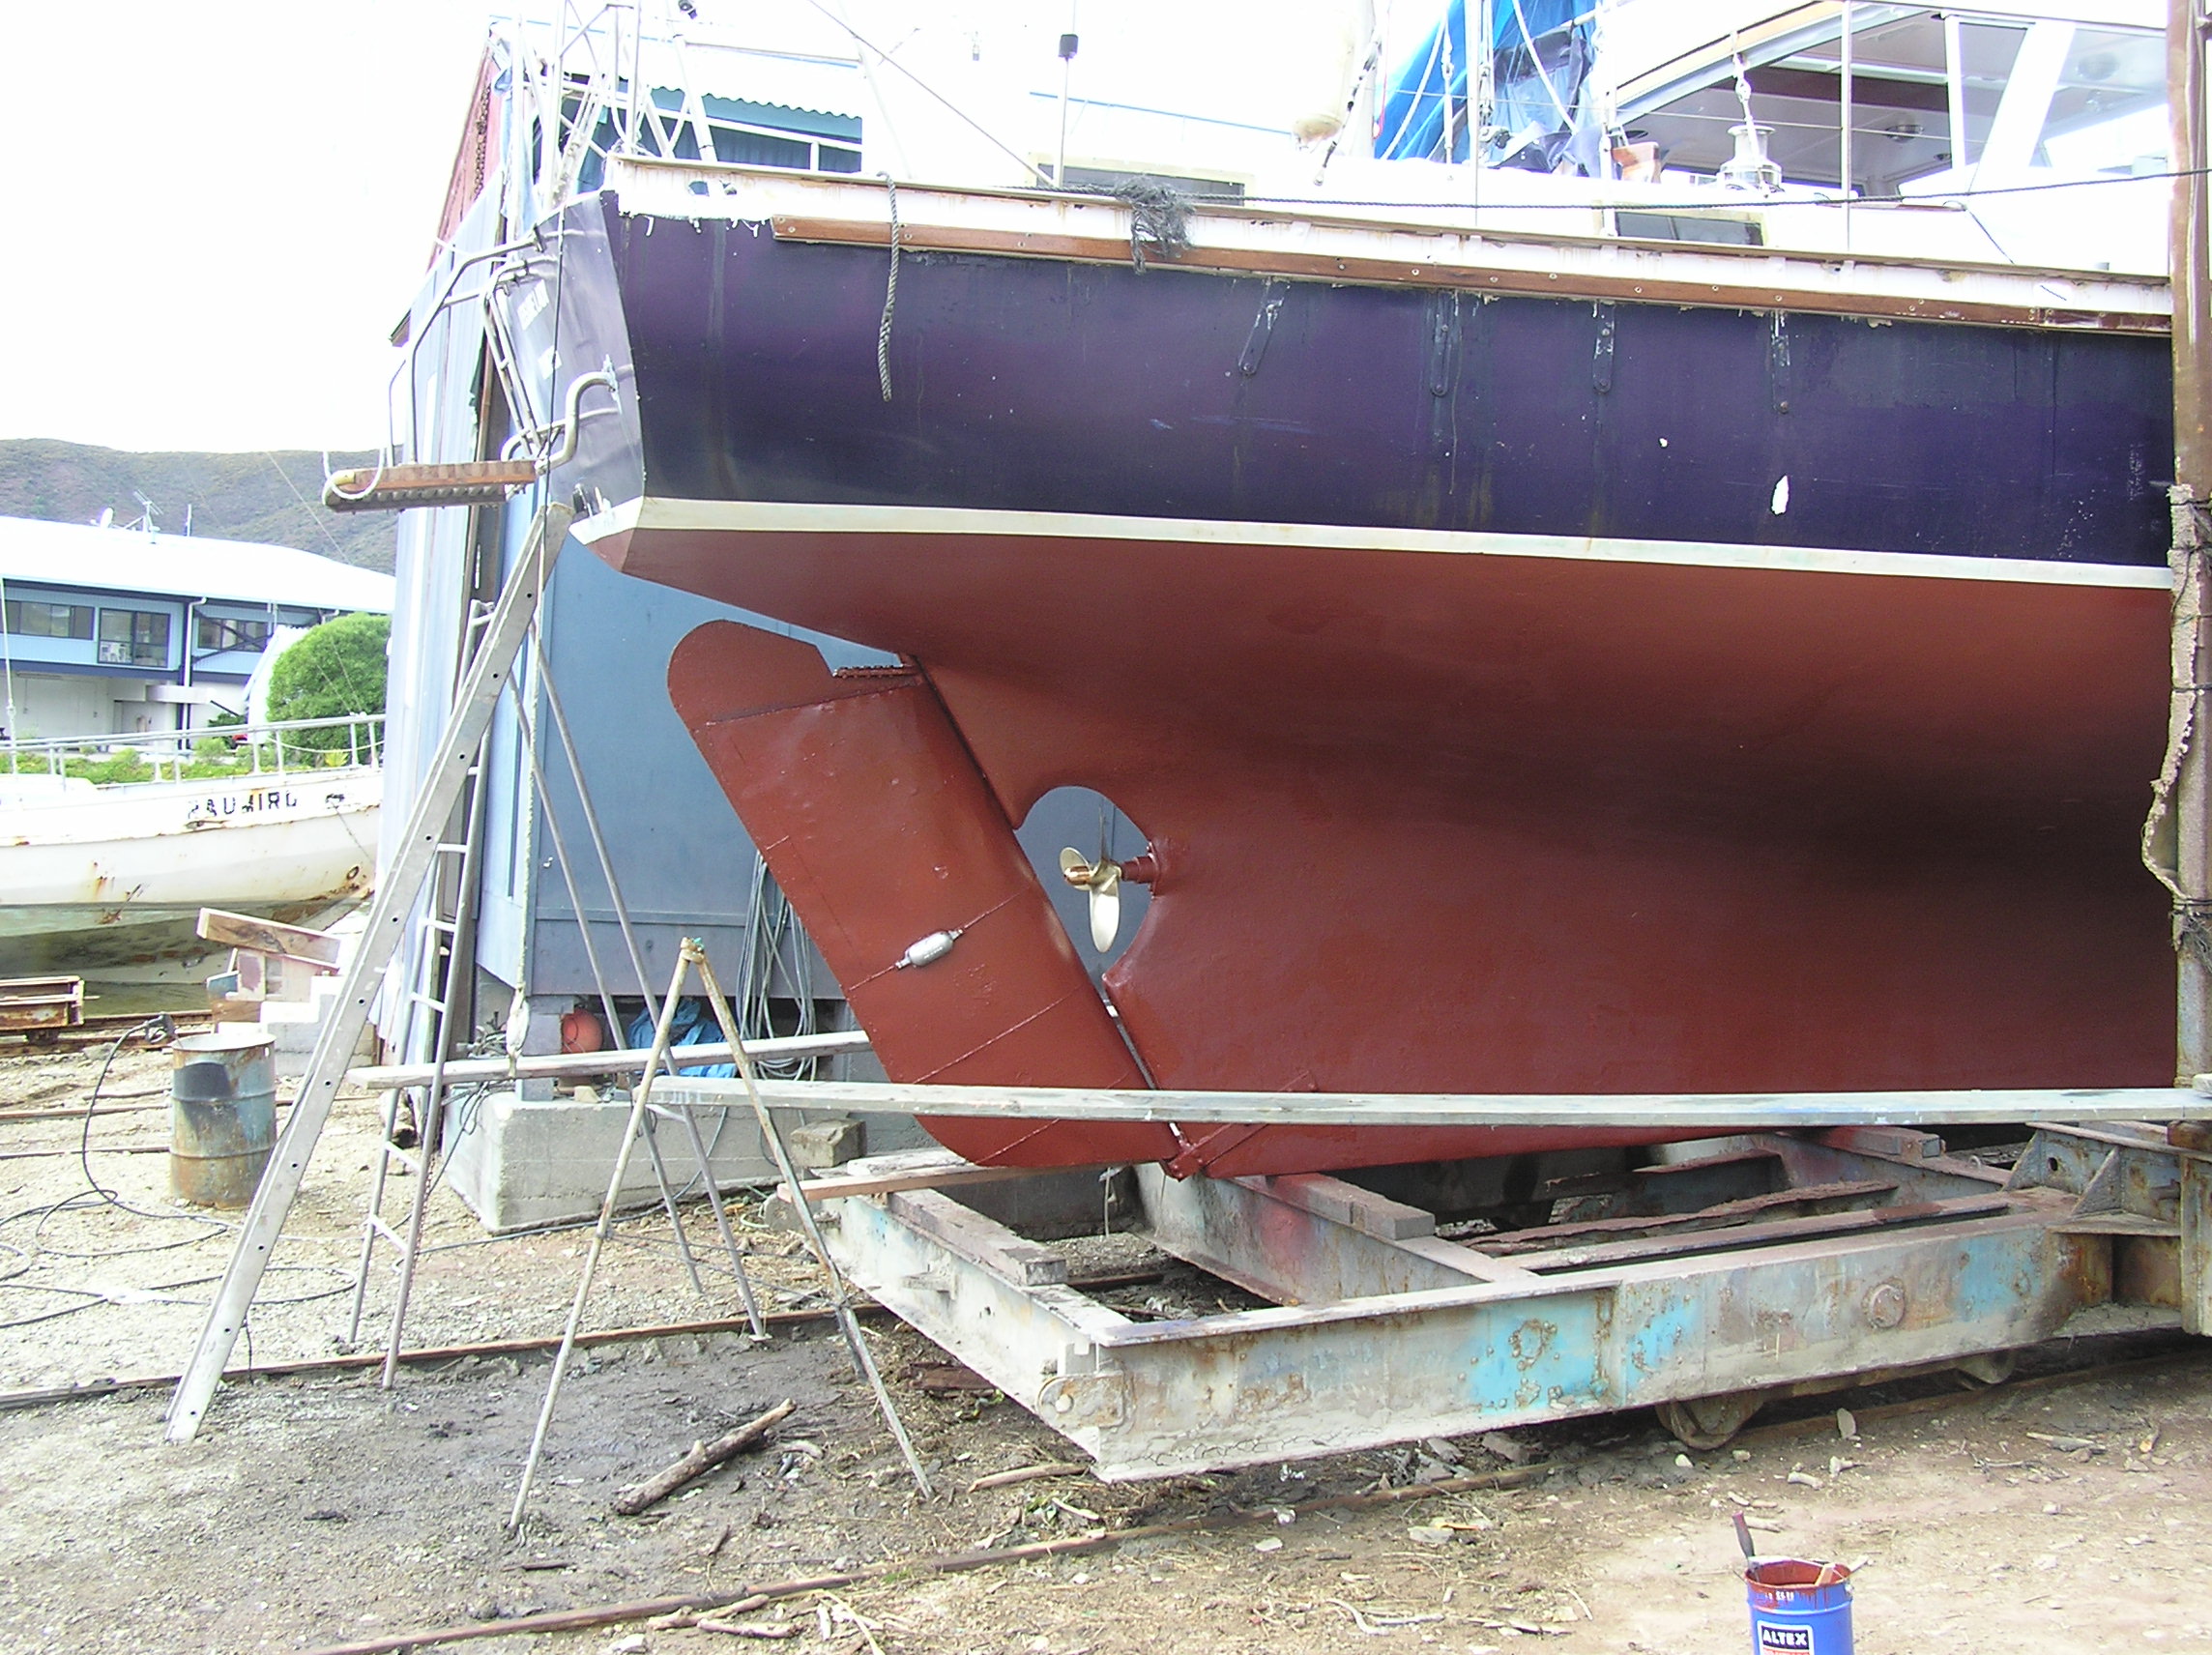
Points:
[(219, 633), (134, 638), (755, 135), (1908, 90), (27, 619), (2109, 112)]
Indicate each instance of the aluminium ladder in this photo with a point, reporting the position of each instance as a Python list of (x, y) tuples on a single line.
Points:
[(418, 851), (433, 980)]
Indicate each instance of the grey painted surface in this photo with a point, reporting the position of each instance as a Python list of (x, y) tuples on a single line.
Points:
[(678, 850)]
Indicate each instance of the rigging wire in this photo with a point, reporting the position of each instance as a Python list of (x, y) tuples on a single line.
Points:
[(982, 132)]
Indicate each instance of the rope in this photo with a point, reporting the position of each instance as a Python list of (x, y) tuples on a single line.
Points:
[(1158, 214), (2192, 929), (890, 295)]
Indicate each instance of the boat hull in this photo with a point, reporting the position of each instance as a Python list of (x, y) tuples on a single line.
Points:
[(116, 882), (1523, 693), (1481, 814)]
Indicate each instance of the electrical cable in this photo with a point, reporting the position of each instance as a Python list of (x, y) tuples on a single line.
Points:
[(97, 1195), (161, 1291)]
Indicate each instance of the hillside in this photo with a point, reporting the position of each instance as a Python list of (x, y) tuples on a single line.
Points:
[(273, 498)]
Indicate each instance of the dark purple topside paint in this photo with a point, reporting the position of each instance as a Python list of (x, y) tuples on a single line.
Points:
[(1042, 385)]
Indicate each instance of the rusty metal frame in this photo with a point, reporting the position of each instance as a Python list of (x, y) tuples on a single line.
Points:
[(1383, 1332), (40, 1007)]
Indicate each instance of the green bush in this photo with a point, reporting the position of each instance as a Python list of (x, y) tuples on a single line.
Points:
[(122, 766), (336, 670)]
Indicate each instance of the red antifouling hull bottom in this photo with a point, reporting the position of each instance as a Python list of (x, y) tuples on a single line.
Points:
[(1449, 822)]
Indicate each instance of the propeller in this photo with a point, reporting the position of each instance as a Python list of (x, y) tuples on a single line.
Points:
[(1102, 880)]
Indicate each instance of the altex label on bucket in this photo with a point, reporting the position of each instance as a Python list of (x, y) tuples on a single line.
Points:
[(1799, 1608)]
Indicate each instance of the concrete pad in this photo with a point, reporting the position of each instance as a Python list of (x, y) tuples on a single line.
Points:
[(520, 1162)]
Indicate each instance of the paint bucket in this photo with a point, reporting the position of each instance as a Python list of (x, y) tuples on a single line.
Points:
[(222, 1114), (1799, 1608)]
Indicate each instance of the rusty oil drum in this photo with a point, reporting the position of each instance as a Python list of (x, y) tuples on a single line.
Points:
[(222, 1114)]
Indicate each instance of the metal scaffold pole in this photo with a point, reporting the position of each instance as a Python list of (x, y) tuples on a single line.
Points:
[(2189, 780), (2186, 785)]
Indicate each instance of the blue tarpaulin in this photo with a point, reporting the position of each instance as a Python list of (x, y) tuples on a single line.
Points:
[(694, 1025), (1540, 56)]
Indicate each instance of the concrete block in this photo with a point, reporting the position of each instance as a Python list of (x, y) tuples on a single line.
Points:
[(819, 1144), (519, 1163), (293, 1027)]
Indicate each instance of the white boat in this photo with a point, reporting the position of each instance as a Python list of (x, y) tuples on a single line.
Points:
[(107, 880)]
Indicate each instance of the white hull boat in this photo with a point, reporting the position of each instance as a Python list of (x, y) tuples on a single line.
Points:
[(98, 880)]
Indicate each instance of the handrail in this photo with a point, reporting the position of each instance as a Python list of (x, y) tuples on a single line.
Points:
[(264, 747), (555, 445)]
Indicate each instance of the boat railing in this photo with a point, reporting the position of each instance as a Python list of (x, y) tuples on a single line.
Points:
[(211, 752)]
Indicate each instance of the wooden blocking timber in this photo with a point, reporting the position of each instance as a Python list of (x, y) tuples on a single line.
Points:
[(316, 948), (1346, 1204), (981, 1241), (902, 1170)]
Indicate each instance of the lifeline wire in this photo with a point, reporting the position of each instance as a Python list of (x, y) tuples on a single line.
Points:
[(1708, 204)]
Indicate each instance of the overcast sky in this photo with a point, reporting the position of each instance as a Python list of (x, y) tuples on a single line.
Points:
[(218, 210), (220, 206)]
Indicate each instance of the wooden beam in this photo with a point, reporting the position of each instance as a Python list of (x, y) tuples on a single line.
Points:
[(2186, 787), (903, 1170), (1686, 1113), (1346, 1204), (1634, 286), (981, 1240), (317, 948), (1854, 1194)]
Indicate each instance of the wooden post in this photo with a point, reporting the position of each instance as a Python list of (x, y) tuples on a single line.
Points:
[(2192, 796), (2196, 1249)]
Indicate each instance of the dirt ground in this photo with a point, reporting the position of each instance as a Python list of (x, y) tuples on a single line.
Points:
[(2046, 1516)]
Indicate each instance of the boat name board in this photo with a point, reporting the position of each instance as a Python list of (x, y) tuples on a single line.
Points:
[(246, 801)]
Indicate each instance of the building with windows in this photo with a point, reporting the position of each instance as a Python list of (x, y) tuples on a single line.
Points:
[(119, 632)]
